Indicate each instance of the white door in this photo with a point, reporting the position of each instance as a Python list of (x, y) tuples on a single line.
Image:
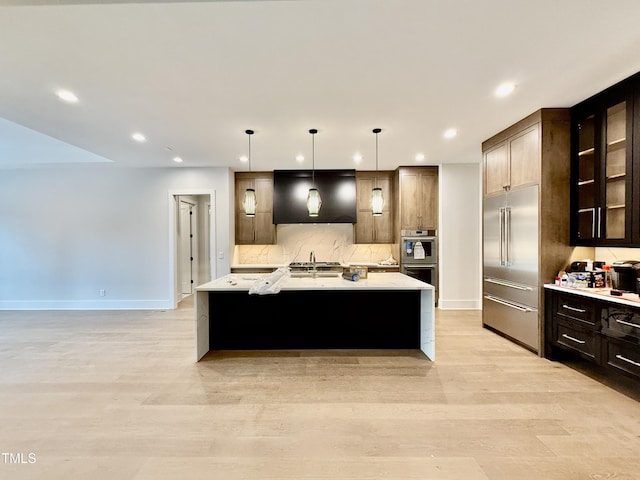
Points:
[(186, 247)]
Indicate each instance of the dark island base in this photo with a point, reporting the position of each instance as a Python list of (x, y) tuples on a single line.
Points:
[(315, 319)]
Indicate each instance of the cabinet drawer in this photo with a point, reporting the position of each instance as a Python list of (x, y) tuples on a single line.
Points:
[(621, 323), (624, 356), (581, 340), (572, 307)]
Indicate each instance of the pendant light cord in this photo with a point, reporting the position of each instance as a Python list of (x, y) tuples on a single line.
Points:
[(376, 154), (249, 133), (377, 131), (313, 132)]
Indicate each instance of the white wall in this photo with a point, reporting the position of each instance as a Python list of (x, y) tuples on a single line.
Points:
[(460, 237), (67, 233)]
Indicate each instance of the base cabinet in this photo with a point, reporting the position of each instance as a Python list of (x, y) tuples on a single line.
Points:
[(600, 331)]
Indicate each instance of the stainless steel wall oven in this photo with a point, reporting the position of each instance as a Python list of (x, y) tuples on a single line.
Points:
[(419, 256)]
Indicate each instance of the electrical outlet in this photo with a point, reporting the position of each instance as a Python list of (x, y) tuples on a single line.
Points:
[(102, 293)]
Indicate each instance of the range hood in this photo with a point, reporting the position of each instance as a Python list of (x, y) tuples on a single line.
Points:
[(337, 189)]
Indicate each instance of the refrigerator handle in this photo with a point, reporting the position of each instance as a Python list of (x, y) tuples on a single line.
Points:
[(509, 304), (507, 234), (501, 233)]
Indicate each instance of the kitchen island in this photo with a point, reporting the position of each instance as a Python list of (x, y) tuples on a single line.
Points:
[(385, 310)]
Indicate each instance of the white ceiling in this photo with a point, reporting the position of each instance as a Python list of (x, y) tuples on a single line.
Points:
[(193, 76)]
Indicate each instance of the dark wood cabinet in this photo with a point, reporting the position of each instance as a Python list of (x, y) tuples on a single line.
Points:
[(604, 167), (259, 229), (574, 325), (513, 162), (370, 229), (418, 198), (598, 330)]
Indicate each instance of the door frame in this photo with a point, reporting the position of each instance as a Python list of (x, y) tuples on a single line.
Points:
[(174, 295)]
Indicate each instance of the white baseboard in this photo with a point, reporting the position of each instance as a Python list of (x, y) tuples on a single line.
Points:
[(86, 305), (445, 304)]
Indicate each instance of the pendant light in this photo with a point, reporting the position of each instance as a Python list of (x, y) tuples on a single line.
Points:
[(249, 202), (314, 202), (377, 200)]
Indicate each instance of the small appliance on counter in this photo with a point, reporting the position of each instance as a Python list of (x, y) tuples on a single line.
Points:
[(582, 266), (625, 275)]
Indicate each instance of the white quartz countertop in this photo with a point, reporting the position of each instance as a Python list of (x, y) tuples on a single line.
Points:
[(374, 281), (630, 299)]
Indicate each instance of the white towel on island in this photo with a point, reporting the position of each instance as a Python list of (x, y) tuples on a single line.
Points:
[(270, 284)]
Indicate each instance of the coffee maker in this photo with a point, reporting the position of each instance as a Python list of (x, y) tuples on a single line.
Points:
[(625, 275)]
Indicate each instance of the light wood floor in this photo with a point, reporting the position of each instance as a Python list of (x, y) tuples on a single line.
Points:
[(117, 395)]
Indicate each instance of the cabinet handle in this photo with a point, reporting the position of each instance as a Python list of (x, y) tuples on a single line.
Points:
[(628, 360), (634, 325), (593, 219), (573, 339), (574, 309), (599, 221)]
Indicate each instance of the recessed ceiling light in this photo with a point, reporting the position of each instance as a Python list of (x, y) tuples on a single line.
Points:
[(450, 133), (67, 96), (357, 157), (244, 159), (177, 159), (138, 137), (505, 89), (300, 158), (420, 157)]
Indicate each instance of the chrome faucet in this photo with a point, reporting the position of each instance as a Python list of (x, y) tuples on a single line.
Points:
[(312, 258)]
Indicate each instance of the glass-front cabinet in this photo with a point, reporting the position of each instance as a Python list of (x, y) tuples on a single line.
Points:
[(616, 157), (585, 182), (602, 167)]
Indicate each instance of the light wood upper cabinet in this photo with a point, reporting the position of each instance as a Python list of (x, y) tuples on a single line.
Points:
[(513, 163), (260, 229), (418, 197), (370, 229)]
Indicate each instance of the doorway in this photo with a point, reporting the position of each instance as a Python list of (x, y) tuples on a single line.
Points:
[(192, 239)]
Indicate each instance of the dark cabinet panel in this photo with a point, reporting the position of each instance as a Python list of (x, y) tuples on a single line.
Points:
[(604, 167), (600, 331)]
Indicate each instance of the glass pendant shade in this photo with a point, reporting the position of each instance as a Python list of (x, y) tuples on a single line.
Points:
[(314, 202), (249, 203), (377, 202)]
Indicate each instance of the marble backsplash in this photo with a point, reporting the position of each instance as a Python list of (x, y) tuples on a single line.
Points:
[(610, 254), (329, 242)]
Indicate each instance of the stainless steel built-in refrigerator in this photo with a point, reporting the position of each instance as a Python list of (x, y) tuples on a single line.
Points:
[(510, 283)]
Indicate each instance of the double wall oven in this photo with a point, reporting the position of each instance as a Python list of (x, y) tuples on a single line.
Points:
[(419, 256)]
